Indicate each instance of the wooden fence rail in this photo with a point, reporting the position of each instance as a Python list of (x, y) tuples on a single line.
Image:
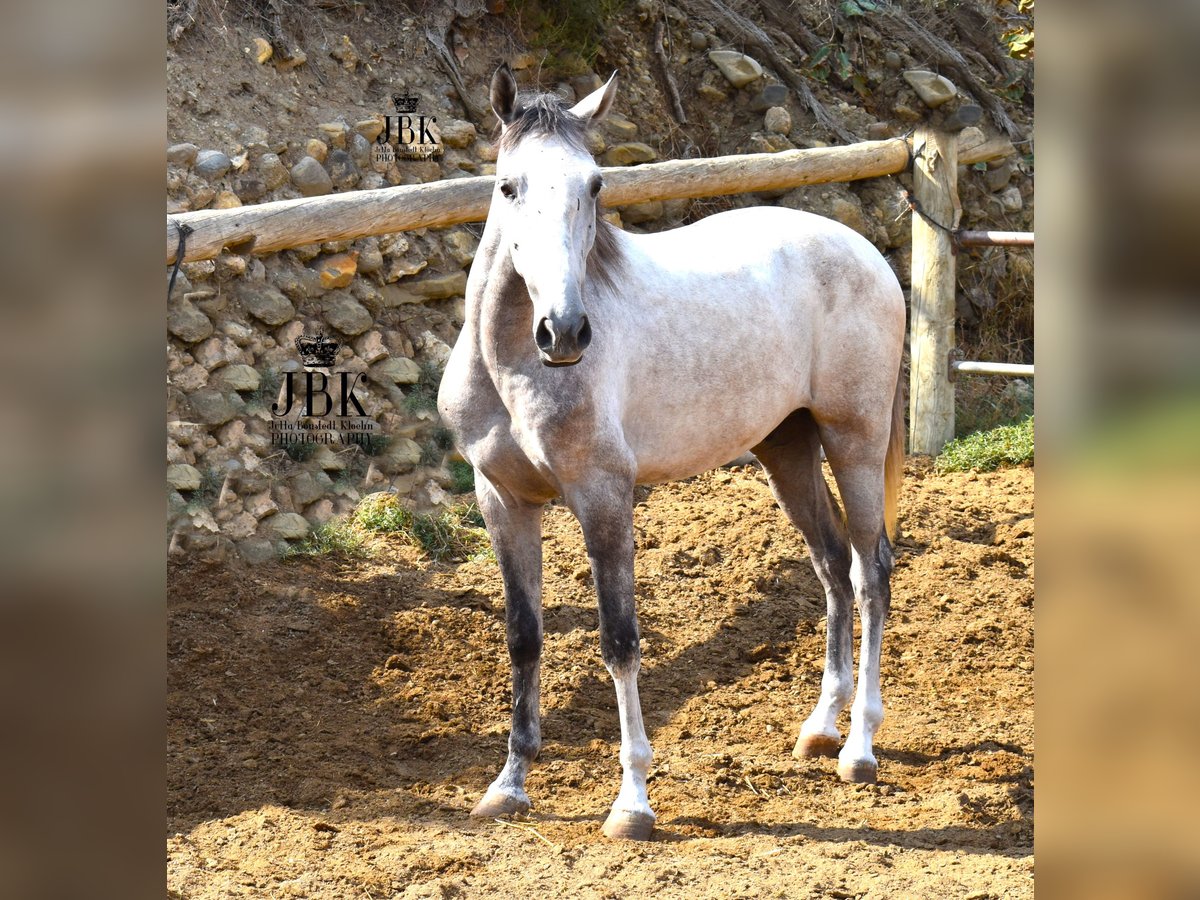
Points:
[(268, 227)]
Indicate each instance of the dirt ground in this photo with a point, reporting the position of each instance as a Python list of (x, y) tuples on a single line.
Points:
[(331, 722)]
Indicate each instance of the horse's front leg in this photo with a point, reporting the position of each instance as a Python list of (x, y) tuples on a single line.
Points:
[(515, 528), (604, 507)]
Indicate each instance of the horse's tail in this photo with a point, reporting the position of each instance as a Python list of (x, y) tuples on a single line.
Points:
[(893, 466)]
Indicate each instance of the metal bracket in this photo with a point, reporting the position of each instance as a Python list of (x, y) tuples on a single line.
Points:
[(954, 355)]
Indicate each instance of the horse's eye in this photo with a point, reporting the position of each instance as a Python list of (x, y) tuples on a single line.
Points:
[(597, 183), (508, 191)]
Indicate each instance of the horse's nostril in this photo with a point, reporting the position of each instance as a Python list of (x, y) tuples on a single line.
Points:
[(544, 337), (585, 334)]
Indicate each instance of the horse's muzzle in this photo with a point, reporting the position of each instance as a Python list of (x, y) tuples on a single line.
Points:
[(562, 342)]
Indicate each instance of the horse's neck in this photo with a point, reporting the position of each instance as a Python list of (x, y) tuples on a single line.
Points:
[(500, 311)]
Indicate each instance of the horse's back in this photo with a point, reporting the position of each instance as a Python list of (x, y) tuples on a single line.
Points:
[(742, 318)]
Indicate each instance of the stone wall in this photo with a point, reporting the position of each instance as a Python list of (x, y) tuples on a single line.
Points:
[(394, 303)]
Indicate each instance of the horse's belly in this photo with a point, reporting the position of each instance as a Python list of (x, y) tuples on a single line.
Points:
[(675, 447)]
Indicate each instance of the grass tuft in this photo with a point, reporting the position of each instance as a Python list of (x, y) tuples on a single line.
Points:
[(339, 536), (454, 535), (462, 475), (985, 451)]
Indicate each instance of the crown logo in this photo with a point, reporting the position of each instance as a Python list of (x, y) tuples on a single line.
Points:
[(404, 104), (317, 351)]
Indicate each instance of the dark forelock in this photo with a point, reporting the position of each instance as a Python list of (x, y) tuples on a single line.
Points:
[(544, 114)]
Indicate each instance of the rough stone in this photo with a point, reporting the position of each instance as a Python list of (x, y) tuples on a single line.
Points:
[(266, 303), (738, 68), (212, 164), (698, 40), (250, 187), (878, 131), (777, 120), (629, 153), (370, 347), (261, 50), (182, 154), (620, 127), (439, 287), (933, 89), (274, 173), (370, 257), (214, 407), (320, 512), (997, 179), (240, 526), (966, 115), (257, 550), (337, 271), (771, 95), (335, 133), (261, 505), (1011, 198), (360, 149), (183, 477), (458, 134), (217, 352), (308, 487), (298, 58), (187, 323), (342, 170), (240, 377), (637, 213), (311, 178), (398, 370), (403, 452), (462, 246), (317, 149), (289, 526), (346, 314), (370, 128), (893, 60)]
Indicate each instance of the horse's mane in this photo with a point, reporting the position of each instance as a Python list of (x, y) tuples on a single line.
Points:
[(548, 114)]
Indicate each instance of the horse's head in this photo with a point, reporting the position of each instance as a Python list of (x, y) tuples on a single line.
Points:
[(547, 185)]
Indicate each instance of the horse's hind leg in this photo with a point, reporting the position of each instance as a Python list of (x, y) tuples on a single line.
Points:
[(856, 458), (515, 528), (792, 457), (604, 507)]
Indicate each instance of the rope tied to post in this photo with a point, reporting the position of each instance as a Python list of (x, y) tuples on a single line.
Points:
[(915, 207), (183, 230)]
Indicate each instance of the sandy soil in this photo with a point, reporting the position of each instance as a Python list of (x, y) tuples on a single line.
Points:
[(332, 722)]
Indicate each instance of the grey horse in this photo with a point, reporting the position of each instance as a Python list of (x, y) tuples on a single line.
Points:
[(593, 360)]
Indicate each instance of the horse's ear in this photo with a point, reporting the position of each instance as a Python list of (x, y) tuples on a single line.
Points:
[(595, 106), (504, 94)]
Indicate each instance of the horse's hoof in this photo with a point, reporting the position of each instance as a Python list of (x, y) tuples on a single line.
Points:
[(808, 745), (496, 804), (629, 826), (859, 771)]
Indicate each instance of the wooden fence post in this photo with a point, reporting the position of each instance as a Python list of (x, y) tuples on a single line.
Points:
[(931, 395)]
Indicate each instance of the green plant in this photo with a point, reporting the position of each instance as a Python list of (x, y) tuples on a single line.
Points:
[(434, 449), (299, 451), (335, 536), (574, 26), (382, 513), (423, 394), (267, 392), (211, 482), (984, 451), (453, 535), (462, 476), (374, 444)]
